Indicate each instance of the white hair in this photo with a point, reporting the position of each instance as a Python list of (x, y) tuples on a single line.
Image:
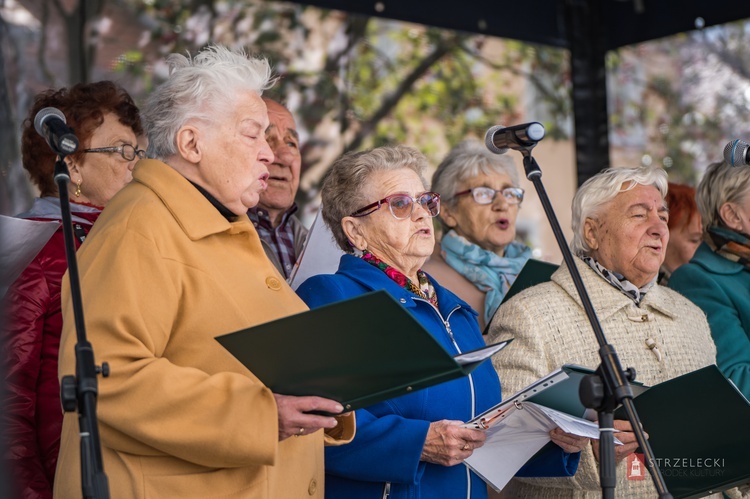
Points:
[(601, 189), (201, 88)]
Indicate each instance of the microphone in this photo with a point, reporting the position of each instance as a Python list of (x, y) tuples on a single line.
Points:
[(50, 123), (736, 153), (519, 137)]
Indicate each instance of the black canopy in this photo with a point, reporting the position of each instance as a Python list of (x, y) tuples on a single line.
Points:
[(588, 28)]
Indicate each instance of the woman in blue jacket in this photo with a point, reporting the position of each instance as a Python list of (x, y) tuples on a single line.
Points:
[(717, 278), (375, 203)]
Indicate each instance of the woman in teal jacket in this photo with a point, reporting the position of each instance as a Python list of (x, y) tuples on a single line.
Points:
[(411, 446), (717, 279)]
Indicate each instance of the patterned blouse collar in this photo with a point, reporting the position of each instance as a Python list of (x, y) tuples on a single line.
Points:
[(619, 281), (424, 290)]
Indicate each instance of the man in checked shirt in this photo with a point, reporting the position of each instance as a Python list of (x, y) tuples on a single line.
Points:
[(281, 232)]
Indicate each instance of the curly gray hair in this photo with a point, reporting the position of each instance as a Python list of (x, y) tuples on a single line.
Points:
[(343, 187), (602, 188)]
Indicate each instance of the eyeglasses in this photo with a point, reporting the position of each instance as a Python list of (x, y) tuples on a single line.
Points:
[(486, 195), (127, 151), (402, 205)]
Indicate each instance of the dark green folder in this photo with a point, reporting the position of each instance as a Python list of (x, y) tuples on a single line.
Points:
[(564, 395), (358, 352), (699, 430), (533, 272), (698, 426)]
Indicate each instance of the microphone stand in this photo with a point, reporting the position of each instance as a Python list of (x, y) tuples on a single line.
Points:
[(80, 391), (608, 386)]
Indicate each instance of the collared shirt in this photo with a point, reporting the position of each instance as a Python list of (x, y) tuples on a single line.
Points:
[(281, 239)]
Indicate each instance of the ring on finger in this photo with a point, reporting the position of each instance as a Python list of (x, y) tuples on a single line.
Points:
[(466, 446), (301, 431)]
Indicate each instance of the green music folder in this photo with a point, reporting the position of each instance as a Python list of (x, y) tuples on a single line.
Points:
[(698, 426), (533, 272), (699, 430), (358, 352)]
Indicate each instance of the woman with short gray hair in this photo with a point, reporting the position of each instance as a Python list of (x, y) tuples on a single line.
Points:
[(478, 257), (620, 239), (378, 207), (346, 182), (717, 278)]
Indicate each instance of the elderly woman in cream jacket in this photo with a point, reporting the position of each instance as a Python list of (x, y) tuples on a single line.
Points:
[(620, 236)]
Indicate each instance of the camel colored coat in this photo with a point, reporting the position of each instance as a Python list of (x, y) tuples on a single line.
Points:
[(550, 329), (162, 274)]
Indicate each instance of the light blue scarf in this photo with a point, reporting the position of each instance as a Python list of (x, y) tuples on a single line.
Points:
[(490, 273)]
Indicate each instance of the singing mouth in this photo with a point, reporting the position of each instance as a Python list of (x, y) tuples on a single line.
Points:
[(503, 223)]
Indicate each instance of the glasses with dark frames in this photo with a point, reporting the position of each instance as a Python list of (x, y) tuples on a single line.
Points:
[(486, 195), (402, 205), (127, 151)]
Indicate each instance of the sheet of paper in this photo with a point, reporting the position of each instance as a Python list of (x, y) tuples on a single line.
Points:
[(320, 255), (510, 443), (21, 241), (480, 354)]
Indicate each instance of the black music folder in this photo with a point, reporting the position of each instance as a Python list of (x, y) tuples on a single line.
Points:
[(358, 352)]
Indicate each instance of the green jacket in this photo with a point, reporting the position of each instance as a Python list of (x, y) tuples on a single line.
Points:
[(721, 288)]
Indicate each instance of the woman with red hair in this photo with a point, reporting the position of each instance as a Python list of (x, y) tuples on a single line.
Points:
[(107, 124), (685, 232)]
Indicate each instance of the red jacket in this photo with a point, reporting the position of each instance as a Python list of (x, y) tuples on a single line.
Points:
[(31, 339)]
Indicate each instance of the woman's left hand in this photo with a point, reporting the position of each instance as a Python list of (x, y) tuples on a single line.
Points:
[(569, 442)]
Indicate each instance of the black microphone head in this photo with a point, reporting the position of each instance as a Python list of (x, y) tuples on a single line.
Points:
[(490, 143), (735, 153), (43, 115)]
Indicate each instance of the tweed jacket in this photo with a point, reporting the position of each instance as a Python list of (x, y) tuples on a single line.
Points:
[(721, 288), (550, 328), (162, 274)]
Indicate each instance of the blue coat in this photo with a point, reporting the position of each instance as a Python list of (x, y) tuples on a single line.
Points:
[(721, 288), (390, 435)]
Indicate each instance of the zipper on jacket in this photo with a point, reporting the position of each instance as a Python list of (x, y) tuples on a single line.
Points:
[(472, 391), (386, 490)]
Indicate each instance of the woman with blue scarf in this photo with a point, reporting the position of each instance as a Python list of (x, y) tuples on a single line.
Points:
[(478, 257)]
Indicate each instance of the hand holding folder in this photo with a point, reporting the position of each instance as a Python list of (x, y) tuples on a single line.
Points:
[(358, 352), (518, 428)]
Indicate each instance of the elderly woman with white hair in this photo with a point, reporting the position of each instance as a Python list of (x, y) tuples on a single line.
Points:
[(172, 263), (620, 236), (717, 278), (478, 257)]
